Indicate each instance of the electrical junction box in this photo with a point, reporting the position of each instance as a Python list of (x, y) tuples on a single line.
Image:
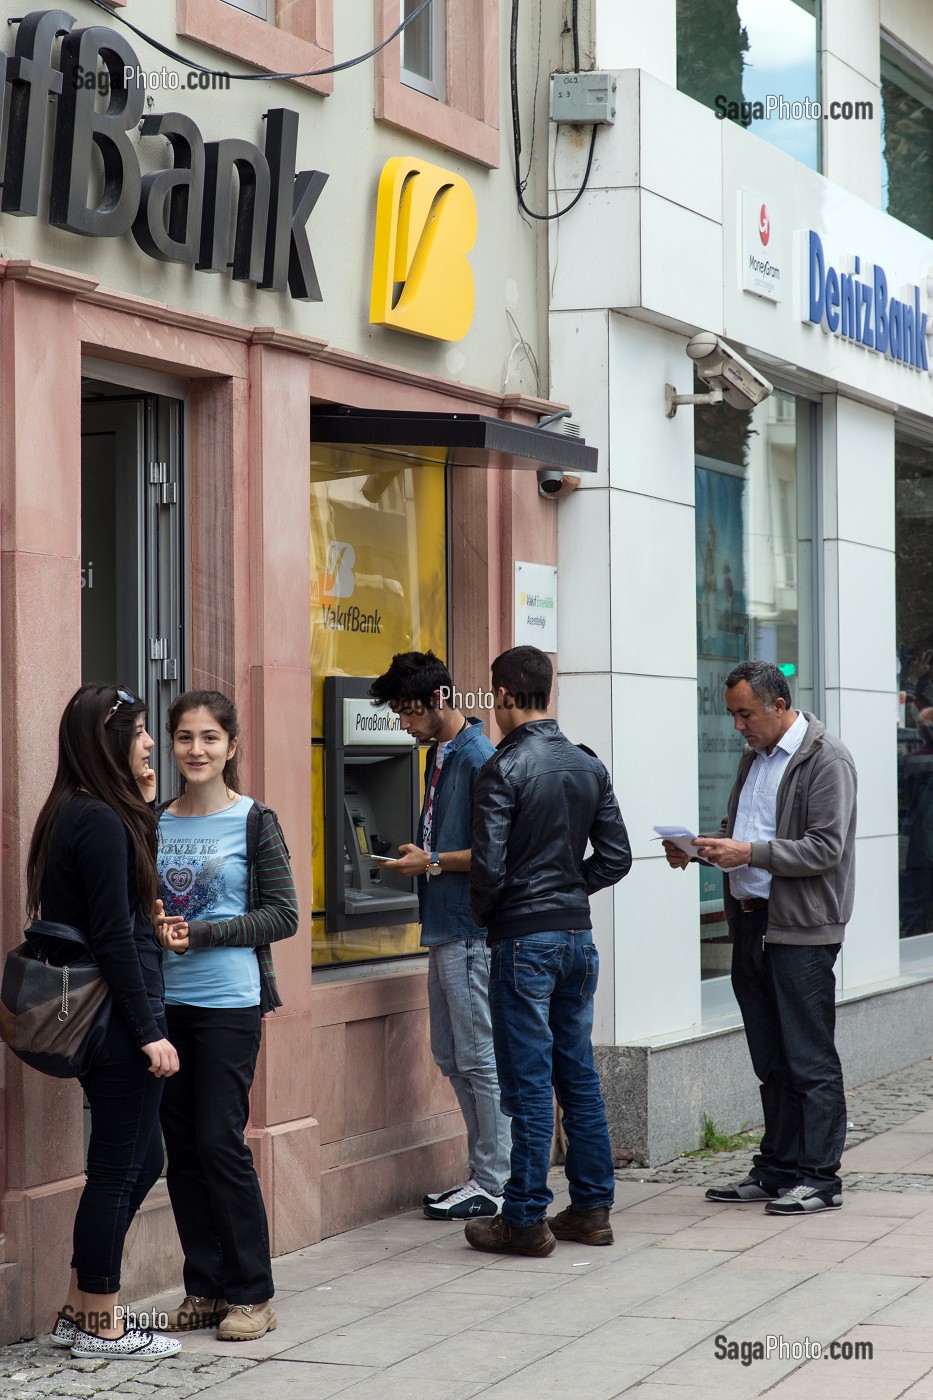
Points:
[(583, 98)]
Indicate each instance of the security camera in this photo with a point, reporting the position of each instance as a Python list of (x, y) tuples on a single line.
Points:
[(723, 368), (554, 484), (731, 379)]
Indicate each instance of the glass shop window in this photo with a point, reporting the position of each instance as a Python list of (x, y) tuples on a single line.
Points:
[(914, 584), (378, 586), (754, 589)]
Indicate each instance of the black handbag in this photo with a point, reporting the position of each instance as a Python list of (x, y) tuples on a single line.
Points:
[(54, 1002)]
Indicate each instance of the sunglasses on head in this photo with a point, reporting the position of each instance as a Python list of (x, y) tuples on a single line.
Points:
[(124, 697)]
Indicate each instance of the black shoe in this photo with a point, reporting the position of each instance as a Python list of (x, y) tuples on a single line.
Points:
[(803, 1200), (748, 1192)]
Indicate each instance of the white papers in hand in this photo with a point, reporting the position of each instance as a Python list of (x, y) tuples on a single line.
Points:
[(679, 836)]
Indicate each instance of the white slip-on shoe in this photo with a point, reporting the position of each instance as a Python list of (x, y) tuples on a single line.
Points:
[(63, 1333), (136, 1344)]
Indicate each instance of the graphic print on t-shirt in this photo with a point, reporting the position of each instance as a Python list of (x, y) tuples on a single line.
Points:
[(192, 873), (203, 876)]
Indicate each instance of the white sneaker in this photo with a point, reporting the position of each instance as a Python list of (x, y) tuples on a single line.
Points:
[(468, 1202), (432, 1197), (136, 1344)]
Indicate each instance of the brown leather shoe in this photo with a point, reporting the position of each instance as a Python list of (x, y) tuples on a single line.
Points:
[(194, 1313), (497, 1236), (584, 1226), (247, 1322)]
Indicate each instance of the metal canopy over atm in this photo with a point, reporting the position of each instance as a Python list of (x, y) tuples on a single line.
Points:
[(469, 438)]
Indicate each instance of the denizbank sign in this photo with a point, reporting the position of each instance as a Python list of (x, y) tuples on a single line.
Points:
[(181, 214), (858, 305)]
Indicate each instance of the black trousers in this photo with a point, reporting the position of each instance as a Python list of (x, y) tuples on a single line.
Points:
[(124, 1156), (212, 1182), (787, 995)]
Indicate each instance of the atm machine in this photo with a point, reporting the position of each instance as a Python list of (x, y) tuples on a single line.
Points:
[(371, 806)]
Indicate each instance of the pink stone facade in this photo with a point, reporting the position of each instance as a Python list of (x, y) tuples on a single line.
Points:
[(350, 1117)]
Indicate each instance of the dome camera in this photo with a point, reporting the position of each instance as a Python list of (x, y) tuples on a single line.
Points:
[(554, 484)]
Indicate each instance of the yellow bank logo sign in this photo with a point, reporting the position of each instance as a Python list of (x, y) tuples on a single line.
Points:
[(425, 227), (338, 578)]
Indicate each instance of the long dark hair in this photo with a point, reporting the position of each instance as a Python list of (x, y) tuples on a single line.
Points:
[(94, 742), (223, 712)]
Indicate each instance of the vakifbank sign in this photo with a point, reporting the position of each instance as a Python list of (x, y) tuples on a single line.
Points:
[(857, 305), (180, 214)]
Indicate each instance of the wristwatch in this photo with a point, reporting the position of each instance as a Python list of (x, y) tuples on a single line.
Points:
[(434, 866)]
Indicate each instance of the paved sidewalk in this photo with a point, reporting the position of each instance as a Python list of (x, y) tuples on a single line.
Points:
[(404, 1309)]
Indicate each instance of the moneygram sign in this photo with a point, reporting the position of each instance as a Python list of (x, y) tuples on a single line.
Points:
[(181, 214), (762, 249), (857, 305)]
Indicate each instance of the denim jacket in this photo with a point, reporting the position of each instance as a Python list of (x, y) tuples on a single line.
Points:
[(444, 900)]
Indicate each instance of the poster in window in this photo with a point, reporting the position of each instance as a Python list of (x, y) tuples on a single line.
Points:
[(722, 641)]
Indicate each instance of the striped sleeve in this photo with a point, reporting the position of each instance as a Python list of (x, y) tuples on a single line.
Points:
[(274, 911)]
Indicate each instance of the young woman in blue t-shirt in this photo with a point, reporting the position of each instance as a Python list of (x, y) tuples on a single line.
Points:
[(227, 891)]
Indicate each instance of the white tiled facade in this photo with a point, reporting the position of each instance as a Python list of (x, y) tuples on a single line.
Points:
[(650, 256)]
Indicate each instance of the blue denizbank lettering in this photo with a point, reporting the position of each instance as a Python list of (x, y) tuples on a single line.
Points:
[(881, 310), (866, 335), (862, 310)]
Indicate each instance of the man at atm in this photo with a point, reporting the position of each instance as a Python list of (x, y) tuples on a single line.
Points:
[(418, 688)]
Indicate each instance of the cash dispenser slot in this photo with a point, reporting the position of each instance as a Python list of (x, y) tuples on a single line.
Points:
[(371, 806)]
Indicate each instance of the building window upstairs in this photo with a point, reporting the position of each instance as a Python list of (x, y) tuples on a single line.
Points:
[(424, 49), (906, 140), (441, 80), (755, 62), (278, 36)]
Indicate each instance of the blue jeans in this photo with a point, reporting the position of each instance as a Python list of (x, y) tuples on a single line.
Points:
[(541, 994), (461, 1041), (787, 995)]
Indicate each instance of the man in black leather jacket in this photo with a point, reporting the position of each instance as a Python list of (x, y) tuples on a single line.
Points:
[(538, 802)]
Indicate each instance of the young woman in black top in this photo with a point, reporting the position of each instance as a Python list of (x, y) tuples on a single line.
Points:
[(92, 865)]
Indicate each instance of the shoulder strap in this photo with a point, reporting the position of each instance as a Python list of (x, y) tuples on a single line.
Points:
[(260, 815), (42, 932)]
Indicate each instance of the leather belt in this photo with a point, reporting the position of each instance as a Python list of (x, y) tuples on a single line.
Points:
[(751, 906)]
